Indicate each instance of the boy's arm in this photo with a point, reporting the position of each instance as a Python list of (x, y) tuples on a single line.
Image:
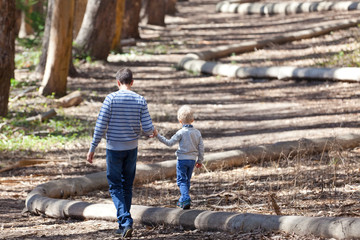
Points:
[(174, 139), (201, 151)]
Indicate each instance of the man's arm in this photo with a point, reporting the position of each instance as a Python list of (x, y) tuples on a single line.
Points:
[(90, 157), (146, 122), (100, 128)]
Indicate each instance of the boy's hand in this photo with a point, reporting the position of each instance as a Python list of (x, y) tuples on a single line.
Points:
[(90, 157), (198, 165), (154, 134)]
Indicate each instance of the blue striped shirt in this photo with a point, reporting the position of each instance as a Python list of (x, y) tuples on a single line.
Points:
[(122, 117)]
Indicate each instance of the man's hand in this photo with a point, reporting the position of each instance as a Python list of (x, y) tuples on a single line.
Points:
[(198, 165), (90, 157), (155, 132)]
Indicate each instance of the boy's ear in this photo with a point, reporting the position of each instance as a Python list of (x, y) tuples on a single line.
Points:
[(118, 83)]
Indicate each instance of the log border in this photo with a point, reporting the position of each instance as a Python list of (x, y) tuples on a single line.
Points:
[(285, 7), (47, 199)]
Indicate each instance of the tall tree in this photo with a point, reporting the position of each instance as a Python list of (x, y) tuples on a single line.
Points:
[(171, 7), (25, 26), (40, 68), (120, 7), (97, 29), (59, 49), (155, 12), (80, 6), (7, 51), (130, 28)]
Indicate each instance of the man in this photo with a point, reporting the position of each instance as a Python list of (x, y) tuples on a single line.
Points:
[(122, 116)]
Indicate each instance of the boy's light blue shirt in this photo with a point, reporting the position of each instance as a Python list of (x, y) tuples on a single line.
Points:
[(191, 146)]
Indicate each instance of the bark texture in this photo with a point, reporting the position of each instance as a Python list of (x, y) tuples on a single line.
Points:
[(97, 30), (59, 49), (7, 51), (131, 19), (42, 200), (80, 6), (170, 7), (286, 7), (155, 12), (120, 8), (40, 68), (25, 27)]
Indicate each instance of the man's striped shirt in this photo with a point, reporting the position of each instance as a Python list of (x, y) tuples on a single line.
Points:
[(122, 116)]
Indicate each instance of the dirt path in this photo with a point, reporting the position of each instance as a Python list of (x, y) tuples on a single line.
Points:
[(231, 113)]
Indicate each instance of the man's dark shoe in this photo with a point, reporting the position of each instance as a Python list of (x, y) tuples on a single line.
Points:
[(127, 232), (120, 231), (186, 204)]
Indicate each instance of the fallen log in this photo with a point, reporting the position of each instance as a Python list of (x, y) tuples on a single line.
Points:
[(46, 198), (285, 7), (23, 93), (72, 99), (26, 163), (346, 74), (246, 46), (43, 116), (329, 227)]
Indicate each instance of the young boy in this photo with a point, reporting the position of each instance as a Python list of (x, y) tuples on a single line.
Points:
[(122, 116), (190, 153)]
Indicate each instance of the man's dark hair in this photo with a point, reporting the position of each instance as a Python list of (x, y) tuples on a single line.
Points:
[(124, 75)]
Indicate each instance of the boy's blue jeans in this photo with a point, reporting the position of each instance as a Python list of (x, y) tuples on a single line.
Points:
[(184, 169), (120, 172)]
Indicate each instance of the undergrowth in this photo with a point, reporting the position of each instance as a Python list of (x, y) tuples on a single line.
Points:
[(18, 134)]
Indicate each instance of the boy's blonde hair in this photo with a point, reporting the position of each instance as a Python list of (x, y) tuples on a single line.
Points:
[(185, 114)]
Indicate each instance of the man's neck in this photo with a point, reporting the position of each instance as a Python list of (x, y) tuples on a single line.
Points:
[(124, 87)]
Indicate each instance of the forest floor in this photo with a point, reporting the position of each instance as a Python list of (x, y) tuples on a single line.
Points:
[(230, 113)]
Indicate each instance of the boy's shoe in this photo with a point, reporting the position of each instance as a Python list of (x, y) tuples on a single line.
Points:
[(186, 204), (127, 232), (180, 204)]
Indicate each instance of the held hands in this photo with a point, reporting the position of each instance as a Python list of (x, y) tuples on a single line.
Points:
[(154, 134)]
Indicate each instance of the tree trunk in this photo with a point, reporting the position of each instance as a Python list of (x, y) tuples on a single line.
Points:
[(170, 7), (25, 27), (7, 51), (80, 6), (120, 8), (40, 68), (97, 30), (155, 12), (59, 49), (131, 19)]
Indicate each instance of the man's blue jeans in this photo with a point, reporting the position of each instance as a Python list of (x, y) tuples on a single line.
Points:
[(120, 172), (184, 169)]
